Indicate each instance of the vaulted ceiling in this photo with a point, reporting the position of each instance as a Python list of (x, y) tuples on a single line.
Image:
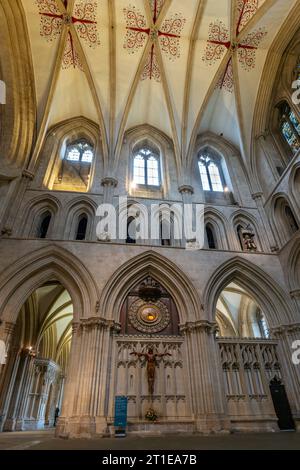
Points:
[(184, 67)]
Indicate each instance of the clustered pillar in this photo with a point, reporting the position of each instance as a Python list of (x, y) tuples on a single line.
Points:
[(84, 403), (206, 388), (288, 336)]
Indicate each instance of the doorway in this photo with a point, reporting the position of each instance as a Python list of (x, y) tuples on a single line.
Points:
[(281, 405)]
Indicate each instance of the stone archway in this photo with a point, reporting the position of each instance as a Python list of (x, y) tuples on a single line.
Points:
[(249, 364), (20, 281), (163, 270), (196, 340)]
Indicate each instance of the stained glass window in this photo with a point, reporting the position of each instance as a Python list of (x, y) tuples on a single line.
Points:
[(210, 173), (290, 127), (146, 168), (295, 121), (290, 136), (80, 152), (262, 324)]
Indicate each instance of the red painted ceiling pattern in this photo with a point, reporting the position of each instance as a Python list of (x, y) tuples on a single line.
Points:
[(219, 40), (168, 35), (84, 19)]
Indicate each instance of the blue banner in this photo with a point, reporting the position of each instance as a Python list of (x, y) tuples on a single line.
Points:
[(121, 412)]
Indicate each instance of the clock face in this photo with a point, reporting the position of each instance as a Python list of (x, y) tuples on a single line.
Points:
[(149, 314), (149, 317)]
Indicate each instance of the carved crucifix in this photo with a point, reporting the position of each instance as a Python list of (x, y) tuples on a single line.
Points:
[(150, 357)]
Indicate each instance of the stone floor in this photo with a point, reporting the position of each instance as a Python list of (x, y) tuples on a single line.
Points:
[(45, 440)]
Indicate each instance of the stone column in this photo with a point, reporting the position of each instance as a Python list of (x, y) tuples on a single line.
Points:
[(109, 184), (84, 403), (296, 298), (208, 396), (6, 335), (43, 373), (186, 192), (261, 139), (9, 223), (15, 390), (258, 198), (287, 336)]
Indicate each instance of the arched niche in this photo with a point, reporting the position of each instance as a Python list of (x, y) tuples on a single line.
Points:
[(265, 291), (52, 158), (238, 315), (163, 271)]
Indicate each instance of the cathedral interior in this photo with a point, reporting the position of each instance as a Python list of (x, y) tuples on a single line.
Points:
[(130, 105)]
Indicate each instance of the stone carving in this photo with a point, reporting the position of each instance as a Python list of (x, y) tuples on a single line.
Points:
[(169, 392), (248, 367), (248, 239), (150, 357)]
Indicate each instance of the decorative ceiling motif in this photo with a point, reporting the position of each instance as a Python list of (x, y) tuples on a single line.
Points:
[(186, 46), (167, 36), (84, 19), (220, 39)]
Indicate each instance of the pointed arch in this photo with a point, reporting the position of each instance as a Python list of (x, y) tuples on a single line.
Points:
[(34, 209), (285, 226), (294, 184), (232, 163), (163, 271), (157, 141), (73, 211), (63, 134), (244, 218), (221, 227), (269, 295), (293, 267), (31, 271)]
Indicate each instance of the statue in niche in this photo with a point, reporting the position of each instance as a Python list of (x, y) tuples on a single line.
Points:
[(150, 357), (248, 239)]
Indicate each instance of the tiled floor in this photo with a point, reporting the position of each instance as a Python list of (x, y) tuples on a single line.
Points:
[(46, 441)]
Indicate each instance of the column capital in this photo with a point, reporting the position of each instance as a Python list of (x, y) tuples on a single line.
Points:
[(186, 189), (28, 174), (295, 294), (109, 181), (285, 329), (9, 327), (6, 231), (257, 195), (263, 135), (201, 325), (98, 322)]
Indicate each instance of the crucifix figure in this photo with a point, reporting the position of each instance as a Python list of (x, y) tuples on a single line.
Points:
[(150, 357)]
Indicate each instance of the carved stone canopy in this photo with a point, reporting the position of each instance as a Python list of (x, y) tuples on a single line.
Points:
[(150, 290)]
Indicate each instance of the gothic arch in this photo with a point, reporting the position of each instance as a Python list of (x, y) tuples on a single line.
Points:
[(73, 210), (265, 97), (159, 140), (62, 134), (294, 184), (293, 267), (269, 295), (122, 210), (221, 227), (278, 218), (233, 166), (35, 208), (148, 132), (241, 217), (31, 271), (162, 270)]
